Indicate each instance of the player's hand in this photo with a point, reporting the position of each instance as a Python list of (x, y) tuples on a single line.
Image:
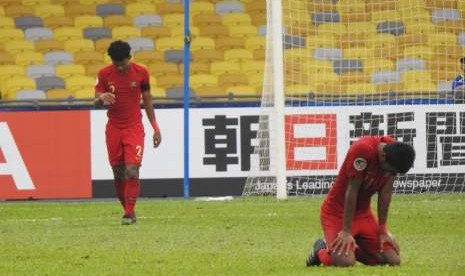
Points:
[(387, 238), (156, 139), (107, 98), (343, 244)]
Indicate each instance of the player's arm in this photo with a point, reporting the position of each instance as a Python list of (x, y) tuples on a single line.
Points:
[(384, 199), (148, 106), (344, 241), (101, 96)]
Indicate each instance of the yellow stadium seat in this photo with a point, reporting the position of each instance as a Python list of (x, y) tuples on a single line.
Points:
[(156, 32), (66, 2), (321, 41), (298, 54), (443, 38), (255, 42), (223, 67), (149, 56), (157, 92), (409, 4), (243, 31), (170, 8), (125, 32), (238, 55), (381, 40), (256, 80), (57, 94), (6, 23), (88, 57), (376, 65), (414, 16), (76, 83), (169, 43), (102, 44), (353, 77), (87, 21), (201, 8), (408, 40), (136, 9), (359, 53), (92, 69), (19, 10), (380, 5), (67, 33), (253, 67), (67, 70), (361, 28), (76, 45), (318, 66), (235, 19), (90, 2), (2, 11), (227, 43), (205, 20), (419, 87), (461, 7), (332, 28), (422, 52), (214, 31), (416, 76), (49, 10), (451, 26), (58, 22), (420, 28), (84, 94), (179, 31), (350, 6), (6, 59), (241, 91), (44, 46), (173, 20), (170, 81), (227, 80), (35, 2), (203, 80), (324, 78), (11, 34), (299, 89), (9, 71), (208, 56), (200, 43), (16, 83), (113, 21), (360, 88), (387, 15), (29, 58), (80, 9), (197, 68), (17, 46), (158, 69), (211, 92)]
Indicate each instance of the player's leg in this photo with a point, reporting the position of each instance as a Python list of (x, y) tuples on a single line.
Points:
[(115, 156), (369, 252), (332, 225), (133, 142)]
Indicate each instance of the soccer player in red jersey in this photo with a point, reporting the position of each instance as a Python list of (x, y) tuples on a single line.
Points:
[(351, 231), (120, 86)]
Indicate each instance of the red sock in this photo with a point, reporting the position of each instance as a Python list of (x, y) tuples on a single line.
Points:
[(131, 194), (325, 257), (119, 189)]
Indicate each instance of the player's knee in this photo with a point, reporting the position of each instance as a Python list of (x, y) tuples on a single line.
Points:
[(391, 258), (132, 172), (118, 173), (343, 260)]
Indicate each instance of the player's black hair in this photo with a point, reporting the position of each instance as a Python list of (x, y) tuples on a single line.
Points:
[(462, 60), (119, 50), (400, 156)]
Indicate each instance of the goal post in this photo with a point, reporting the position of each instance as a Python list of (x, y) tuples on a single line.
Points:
[(339, 70)]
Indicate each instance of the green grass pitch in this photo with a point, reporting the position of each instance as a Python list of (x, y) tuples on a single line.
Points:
[(251, 236)]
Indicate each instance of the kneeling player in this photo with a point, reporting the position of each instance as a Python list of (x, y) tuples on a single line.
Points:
[(351, 231)]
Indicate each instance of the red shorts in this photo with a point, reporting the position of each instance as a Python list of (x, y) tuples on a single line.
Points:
[(125, 145), (364, 231)]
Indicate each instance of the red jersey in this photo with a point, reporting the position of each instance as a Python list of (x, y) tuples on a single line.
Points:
[(127, 87), (361, 162)]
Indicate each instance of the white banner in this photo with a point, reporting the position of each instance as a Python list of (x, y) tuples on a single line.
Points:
[(222, 139)]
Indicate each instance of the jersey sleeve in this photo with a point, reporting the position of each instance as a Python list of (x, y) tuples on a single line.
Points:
[(357, 160), (145, 82), (100, 85)]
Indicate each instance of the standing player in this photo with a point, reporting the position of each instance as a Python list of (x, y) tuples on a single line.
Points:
[(120, 86), (350, 229)]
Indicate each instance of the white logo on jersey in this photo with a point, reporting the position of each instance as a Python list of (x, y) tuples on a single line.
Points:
[(360, 164)]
